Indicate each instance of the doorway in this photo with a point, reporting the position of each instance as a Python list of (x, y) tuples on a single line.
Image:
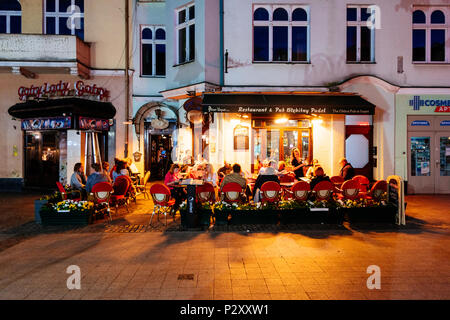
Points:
[(428, 155), (41, 158), (158, 150)]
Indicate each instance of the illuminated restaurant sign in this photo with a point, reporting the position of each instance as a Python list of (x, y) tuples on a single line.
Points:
[(47, 123), (288, 110), (61, 89), (94, 124)]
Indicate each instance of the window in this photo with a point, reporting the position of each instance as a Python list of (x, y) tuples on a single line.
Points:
[(185, 28), (429, 34), (65, 17), (280, 33), (10, 16), (360, 37), (153, 51)]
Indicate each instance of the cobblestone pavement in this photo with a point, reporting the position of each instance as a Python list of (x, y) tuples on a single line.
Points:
[(124, 260)]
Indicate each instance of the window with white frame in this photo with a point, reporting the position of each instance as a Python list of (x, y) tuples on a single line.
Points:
[(153, 51), (430, 34), (360, 34), (10, 16), (65, 17), (185, 30), (281, 33)]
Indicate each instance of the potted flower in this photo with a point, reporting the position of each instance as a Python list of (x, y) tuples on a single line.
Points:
[(222, 211), (38, 204), (67, 212), (205, 212), (368, 210), (187, 220), (292, 211), (325, 211)]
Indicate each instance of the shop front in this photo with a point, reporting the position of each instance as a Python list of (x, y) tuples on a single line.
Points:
[(62, 126), (251, 128), (423, 140)]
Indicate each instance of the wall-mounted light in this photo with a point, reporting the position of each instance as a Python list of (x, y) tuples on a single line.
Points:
[(235, 122), (281, 120), (317, 122)]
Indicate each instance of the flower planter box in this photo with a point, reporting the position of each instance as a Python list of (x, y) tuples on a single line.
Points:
[(294, 216), (189, 220), (65, 218), (204, 217), (323, 215), (37, 209), (384, 214), (221, 217), (254, 217)]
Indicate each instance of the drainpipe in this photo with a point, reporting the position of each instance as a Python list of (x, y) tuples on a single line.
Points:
[(222, 81), (127, 79)]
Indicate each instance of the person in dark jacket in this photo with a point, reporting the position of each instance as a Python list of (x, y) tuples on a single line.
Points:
[(319, 176), (347, 172), (269, 174), (95, 177)]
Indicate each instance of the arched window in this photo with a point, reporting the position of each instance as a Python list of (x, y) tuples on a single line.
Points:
[(438, 17), (153, 51), (160, 34), (10, 16), (299, 14), (418, 16), (147, 34), (280, 14), (261, 14), (65, 17)]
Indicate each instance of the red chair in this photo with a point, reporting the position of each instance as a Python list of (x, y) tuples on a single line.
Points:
[(270, 192), (337, 181), (350, 190), (323, 190), (232, 192), (162, 202), (287, 178), (377, 190), (206, 193), (64, 192), (121, 187), (363, 182), (300, 191), (102, 194)]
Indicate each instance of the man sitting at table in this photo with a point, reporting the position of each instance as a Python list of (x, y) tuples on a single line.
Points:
[(347, 172), (95, 177), (269, 174), (235, 176)]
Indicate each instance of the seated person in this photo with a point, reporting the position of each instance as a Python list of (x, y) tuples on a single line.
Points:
[(121, 169), (95, 177), (347, 172), (226, 169), (312, 169), (105, 166), (78, 180), (319, 177), (171, 178), (209, 175), (235, 176), (269, 174)]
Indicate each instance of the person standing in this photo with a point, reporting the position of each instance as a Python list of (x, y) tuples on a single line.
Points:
[(297, 163), (347, 171)]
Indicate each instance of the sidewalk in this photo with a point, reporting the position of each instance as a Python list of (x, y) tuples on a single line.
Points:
[(296, 264)]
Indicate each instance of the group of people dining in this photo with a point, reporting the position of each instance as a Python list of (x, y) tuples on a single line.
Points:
[(270, 170), (122, 167)]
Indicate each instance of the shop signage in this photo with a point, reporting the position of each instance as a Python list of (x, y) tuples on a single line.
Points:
[(47, 123), (441, 105), (288, 110), (62, 89), (241, 137), (93, 124), (445, 123), (420, 123)]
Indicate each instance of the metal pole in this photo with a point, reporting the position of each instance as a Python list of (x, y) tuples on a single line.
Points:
[(127, 80)]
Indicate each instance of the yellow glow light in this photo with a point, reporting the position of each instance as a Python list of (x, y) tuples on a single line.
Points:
[(281, 120), (317, 122)]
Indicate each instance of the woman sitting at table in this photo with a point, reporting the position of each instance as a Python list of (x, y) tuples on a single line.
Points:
[(319, 177), (172, 178), (269, 174), (209, 175), (121, 170)]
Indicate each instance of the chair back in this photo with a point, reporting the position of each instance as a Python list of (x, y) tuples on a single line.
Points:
[(337, 181), (300, 190), (121, 185), (160, 194), (270, 191), (378, 189), (205, 192), (61, 190), (323, 190), (287, 178), (363, 182), (350, 189), (232, 192), (146, 178), (102, 192)]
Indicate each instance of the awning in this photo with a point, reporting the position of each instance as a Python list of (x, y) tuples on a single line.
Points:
[(63, 107), (287, 103)]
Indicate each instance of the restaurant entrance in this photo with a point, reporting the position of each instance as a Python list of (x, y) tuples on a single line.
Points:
[(42, 154), (158, 150), (428, 154)]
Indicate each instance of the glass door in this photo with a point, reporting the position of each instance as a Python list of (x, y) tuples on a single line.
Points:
[(421, 162), (442, 163)]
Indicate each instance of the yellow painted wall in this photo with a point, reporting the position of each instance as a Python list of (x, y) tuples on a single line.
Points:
[(32, 15)]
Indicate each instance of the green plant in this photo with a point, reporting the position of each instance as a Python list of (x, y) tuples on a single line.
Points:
[(70, 206), (225, 206)]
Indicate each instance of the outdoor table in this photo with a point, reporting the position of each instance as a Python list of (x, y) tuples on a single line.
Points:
[(191, 185)]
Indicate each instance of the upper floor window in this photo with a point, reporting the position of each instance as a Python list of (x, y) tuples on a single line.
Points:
[(153, 51), (281, 33), (185, 30), (360, 36), (65, 17), (430, 34), (10, 16)]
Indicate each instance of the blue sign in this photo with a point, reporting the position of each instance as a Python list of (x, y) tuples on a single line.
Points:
[(445, 123), (420, 123), (416, 103)]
